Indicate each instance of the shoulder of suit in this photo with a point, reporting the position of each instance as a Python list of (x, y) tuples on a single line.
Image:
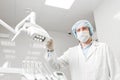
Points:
[(99, 44), (95, 43), (74, 47)]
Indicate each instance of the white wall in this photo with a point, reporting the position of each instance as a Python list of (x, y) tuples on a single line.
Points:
[(108, 24)]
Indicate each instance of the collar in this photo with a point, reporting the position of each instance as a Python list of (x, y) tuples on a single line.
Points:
[(86, 45)]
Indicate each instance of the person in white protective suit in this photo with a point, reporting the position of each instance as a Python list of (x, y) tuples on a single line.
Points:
[(89, 60)]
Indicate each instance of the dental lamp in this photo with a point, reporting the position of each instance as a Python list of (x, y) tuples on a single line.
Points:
[(37, 33), (28, 25), (34, 31)]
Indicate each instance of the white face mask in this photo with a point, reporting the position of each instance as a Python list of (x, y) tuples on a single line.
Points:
[(83, 36)]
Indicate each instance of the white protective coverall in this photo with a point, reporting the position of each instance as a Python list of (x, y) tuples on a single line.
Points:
[(98, 65)]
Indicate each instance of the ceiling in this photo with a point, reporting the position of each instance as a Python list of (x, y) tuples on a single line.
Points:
[(50, 18)]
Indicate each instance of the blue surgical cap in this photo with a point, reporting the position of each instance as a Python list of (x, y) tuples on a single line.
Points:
[(81, 23)]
